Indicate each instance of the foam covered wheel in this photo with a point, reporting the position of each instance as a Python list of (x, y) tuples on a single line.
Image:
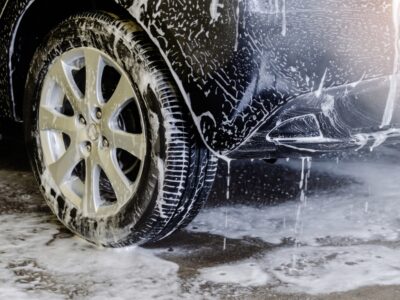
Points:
[(111, 142)]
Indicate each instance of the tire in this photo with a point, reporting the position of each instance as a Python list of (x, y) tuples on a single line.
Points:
[(119, 162)]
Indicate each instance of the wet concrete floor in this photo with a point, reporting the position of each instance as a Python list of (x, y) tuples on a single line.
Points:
[(39, 259)]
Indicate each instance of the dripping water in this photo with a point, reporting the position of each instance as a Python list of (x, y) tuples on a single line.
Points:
[(306, 163), (228, 196), (284, 21), (390, 102), (366, 208), (237, 27), (279, 9)]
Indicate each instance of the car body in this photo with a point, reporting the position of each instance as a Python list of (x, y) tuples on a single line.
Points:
[(260, 78), (242, 65)]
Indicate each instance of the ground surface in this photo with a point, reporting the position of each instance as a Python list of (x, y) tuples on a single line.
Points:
[(339, 241)]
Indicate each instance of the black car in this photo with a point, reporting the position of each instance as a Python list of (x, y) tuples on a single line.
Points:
[(127, 104)]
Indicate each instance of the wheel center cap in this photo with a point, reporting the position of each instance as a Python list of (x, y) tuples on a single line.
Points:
[(93, 132)]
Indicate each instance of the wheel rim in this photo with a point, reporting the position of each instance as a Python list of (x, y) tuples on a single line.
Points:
[(92, 132)]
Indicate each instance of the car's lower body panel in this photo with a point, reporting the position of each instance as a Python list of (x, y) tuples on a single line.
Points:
[(351, 116)]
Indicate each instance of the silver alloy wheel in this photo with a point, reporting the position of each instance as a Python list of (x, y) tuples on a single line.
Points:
[(87, 148)]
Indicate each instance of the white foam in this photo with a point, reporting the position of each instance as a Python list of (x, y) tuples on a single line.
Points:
[(244, 274), (323, 270), (30, 269)]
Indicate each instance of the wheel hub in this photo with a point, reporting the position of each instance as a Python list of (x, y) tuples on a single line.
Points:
[(93, 132)]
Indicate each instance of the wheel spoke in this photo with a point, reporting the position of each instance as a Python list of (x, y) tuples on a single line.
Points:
[(69, 189), (134, 144), (62, 74), (123, 92), (63, 167), (94, 71), (91, 187), (121, 186), (52, 120)]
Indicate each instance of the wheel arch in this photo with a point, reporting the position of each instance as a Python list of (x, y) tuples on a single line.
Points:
[(35, 19)]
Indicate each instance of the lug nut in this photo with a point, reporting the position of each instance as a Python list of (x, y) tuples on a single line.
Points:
[(99, 114), (82, 120), (106, 144)]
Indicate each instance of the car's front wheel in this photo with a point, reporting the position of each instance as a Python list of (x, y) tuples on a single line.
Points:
[(112, 145)]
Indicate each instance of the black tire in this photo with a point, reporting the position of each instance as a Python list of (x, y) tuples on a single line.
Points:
[(170, 193)]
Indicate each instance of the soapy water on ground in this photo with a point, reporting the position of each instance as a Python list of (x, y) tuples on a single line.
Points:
[(347, 238)]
